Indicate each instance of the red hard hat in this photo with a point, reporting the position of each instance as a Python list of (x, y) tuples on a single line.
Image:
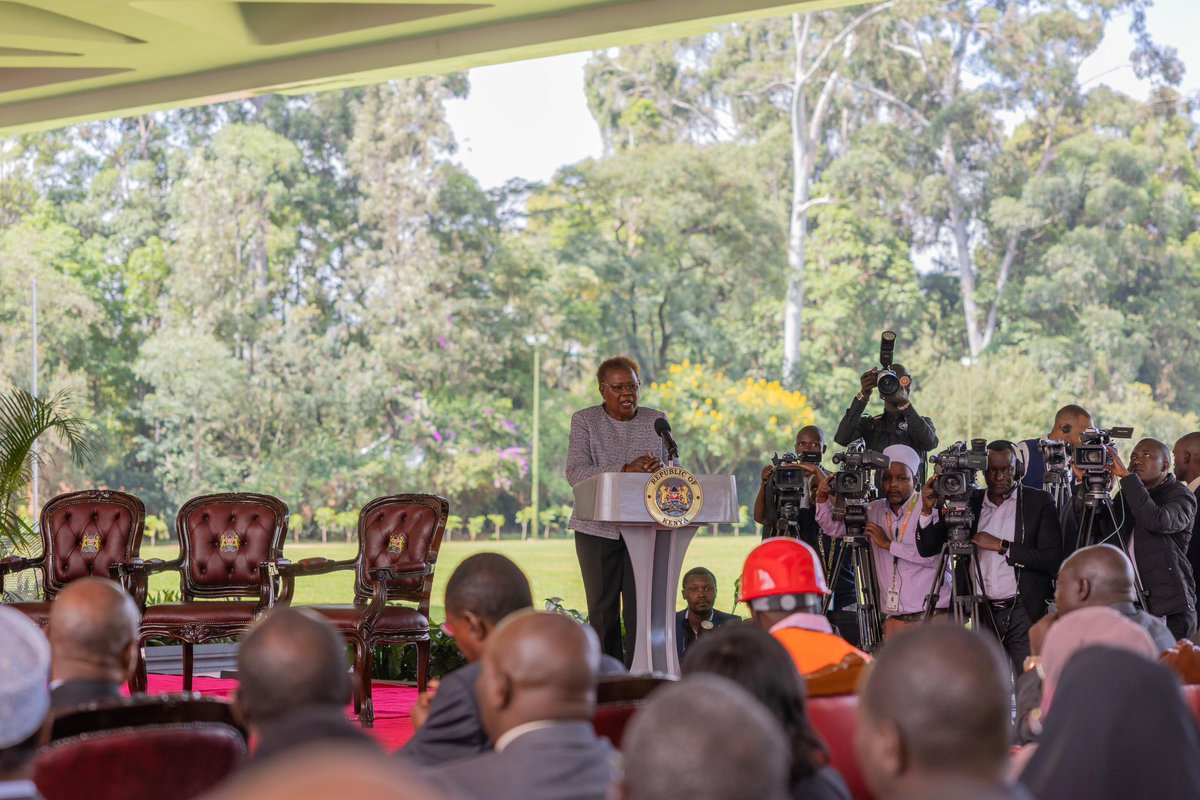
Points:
[(782, 565)]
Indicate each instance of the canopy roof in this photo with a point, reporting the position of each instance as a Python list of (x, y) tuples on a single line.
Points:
[(66, 61)]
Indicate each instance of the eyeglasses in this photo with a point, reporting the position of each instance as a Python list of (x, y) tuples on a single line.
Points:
[(623, 388)]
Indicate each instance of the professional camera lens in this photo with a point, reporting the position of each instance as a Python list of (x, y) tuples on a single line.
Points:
[(887, 382)]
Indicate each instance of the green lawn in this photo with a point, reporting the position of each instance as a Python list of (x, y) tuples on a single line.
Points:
[(550, 565)]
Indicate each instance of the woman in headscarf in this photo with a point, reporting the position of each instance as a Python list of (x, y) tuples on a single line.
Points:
[(1118, 729)]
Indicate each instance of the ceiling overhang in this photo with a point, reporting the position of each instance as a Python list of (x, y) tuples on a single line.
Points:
[(69, 61)]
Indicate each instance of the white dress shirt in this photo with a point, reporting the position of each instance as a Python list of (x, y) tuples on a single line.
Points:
[(999, 578)]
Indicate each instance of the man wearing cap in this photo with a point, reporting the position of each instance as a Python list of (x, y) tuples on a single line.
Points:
[(905, 577), (783, 584), (24, 701)]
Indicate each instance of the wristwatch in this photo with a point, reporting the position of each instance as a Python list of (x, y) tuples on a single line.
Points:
[(1031, 662), (1004, 543)]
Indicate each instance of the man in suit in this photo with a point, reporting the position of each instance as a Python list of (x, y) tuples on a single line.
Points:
[(704, 714), (1018, 543), (537, 696), (24, 701), (699, 618), (293, 686), (93, 642), (485, 589), (1187, 471)]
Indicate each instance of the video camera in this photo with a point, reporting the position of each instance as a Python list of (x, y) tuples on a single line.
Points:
[(953, 484), (1094, 458), (790, 485), (1056, 461), (857, 461)]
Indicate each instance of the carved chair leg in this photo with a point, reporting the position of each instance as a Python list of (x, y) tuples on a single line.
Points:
[(423, 649), (357, 690), (187, 666), (365, 673), (137, 678)]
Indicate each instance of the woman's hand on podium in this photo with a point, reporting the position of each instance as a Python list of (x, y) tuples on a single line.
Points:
[(646, 463)]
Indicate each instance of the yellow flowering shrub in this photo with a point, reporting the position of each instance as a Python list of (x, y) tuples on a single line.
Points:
[(723, 425)]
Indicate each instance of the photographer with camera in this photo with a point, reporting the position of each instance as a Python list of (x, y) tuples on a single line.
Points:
[(899, 423), (903, 574), (1155, 513), (1069, 424), (1018, 541), (781, 507)]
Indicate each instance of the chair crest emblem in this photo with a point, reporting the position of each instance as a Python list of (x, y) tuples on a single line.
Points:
[(90, 543), (397, 542), (229, 542)]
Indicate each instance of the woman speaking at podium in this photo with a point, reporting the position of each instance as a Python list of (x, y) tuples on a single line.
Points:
[(615, 436)]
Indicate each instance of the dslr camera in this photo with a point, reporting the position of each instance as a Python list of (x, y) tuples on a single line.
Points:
[(887, 381), (953, 484)]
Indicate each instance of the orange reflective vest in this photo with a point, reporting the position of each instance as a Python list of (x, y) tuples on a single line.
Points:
[(813, 650)]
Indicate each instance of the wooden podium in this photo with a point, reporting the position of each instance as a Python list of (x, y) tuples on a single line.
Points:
[(656, 552)]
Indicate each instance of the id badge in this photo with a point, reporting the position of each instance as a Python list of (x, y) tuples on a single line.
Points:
[(893, 601)]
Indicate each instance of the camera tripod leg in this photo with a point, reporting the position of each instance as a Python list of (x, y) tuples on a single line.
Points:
[(866, 592), (935, 590), (832, 576)]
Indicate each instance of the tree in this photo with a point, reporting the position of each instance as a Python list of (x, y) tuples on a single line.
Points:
[(325, 518), (475, 526), (497, 521)]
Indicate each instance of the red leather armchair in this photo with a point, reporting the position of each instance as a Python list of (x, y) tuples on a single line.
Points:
[(231, 545), (83, 534), (398, 541), (179, 761)]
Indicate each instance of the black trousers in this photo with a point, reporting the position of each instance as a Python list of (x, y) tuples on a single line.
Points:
[(1011, 623), (1182, 624), (608, 584)]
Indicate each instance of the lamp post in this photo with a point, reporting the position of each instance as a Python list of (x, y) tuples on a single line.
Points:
[(536, 341)]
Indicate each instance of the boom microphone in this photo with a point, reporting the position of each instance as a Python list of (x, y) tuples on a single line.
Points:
[(663, 429)]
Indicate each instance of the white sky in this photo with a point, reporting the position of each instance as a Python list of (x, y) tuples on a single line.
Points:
[(528, 118)]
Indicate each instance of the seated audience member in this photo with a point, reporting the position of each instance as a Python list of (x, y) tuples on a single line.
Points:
[(783, 584), (759, 664), (324, 771), (93, 642), (537, 696), (483, 590), (1119, 729), (24, 700), (293, 686), (699, 618), (1096, 576), (704, 737), (933, 718)]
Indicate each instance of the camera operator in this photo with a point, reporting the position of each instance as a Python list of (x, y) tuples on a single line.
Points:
[(898, 424), (1018, 541), (810, 440), (1155, 512), (1069, 423), (904, 575)]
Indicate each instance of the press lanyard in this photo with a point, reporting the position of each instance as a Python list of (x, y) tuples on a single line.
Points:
[(898, 532)]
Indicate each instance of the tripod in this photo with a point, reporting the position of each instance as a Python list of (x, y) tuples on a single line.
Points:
[(1097, 506), (1059, 487), (866, 587), (965, 601)]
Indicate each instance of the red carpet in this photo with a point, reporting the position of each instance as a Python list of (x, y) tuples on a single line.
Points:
[(393, 704)]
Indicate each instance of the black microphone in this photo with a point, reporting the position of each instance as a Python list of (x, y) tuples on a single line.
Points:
[(663, 429)]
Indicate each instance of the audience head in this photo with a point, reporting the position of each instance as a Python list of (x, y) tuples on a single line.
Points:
[(1150, 461), (704, 737), (1187, 457), (700, 590), (537, 666), (1001, 472), (318, 772), (483, 590), (24, 690), (757, 662), (291, 659), (810, 439), (899, 480), (1100, 575), (1106, 692), (935, 707), (1071, 421), (1088, 627), (93, 632), (782, 576)]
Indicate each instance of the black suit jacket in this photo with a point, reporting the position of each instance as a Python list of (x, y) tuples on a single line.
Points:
[(683, 636), (566, 761), (1193, 552), (1161, 521), (71, 694), (306, 726), (1035, 553), (453, 730)]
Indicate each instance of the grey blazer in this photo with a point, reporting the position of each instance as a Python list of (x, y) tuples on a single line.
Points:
[(566, 761), (453, 730)]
